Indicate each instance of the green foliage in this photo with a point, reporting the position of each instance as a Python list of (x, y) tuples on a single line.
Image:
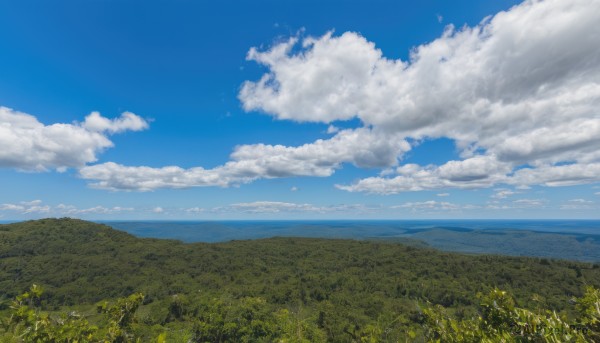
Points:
[(121, 317), (218, 320), (588, 308), (502, 321), (280, 289), (28, 324), (228, 320), (297, 328), (251, 320)]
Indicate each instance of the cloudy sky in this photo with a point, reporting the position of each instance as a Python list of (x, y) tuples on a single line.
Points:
[(300, 109)]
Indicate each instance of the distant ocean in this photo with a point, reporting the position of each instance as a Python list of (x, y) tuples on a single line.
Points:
[(563, 239)]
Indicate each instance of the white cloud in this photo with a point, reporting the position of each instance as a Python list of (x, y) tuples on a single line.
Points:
[(31, 203), (294, 189), (158, 210), (72, 210), (195, 210), (26, 207), (287, 207), (432, 205), (29, 145), (118, 177), (272, 207), (516, 204), (518, 94), (581, 201), (362, 147), (37, 207), (352, 208), (578, 204), (519, 88), (554, 176), (530, 202), (502, 193), (12, 207), (127, 122), (332, 129), (443, 194), (486, 172), (474, 172)]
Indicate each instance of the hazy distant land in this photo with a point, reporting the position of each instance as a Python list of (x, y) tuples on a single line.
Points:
[(563, 239)]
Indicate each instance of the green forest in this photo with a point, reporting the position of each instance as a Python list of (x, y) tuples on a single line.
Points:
[(67, 280)]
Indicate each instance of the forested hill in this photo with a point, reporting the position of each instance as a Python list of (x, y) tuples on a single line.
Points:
[(349, 283), (80, 261)]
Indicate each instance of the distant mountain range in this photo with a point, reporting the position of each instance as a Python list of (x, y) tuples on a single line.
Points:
[(562, 239)]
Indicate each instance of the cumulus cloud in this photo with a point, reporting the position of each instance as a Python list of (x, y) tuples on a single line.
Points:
[(502, 193), (272, 207), (332, 129), (578, 204), (259, 207), (443, 194), (530, 202), (72, 210), (474, 172), (580, 201), (432, 205), (127, 122), (362, 147), (554, 176), (489, 75), (37, 207), (518, 94), (27, 144), (195, 210), (26, 207), (518, 89), (11, 207), (516, 204)]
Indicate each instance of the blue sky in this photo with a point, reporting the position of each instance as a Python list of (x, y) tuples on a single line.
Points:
[(299, 109)]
